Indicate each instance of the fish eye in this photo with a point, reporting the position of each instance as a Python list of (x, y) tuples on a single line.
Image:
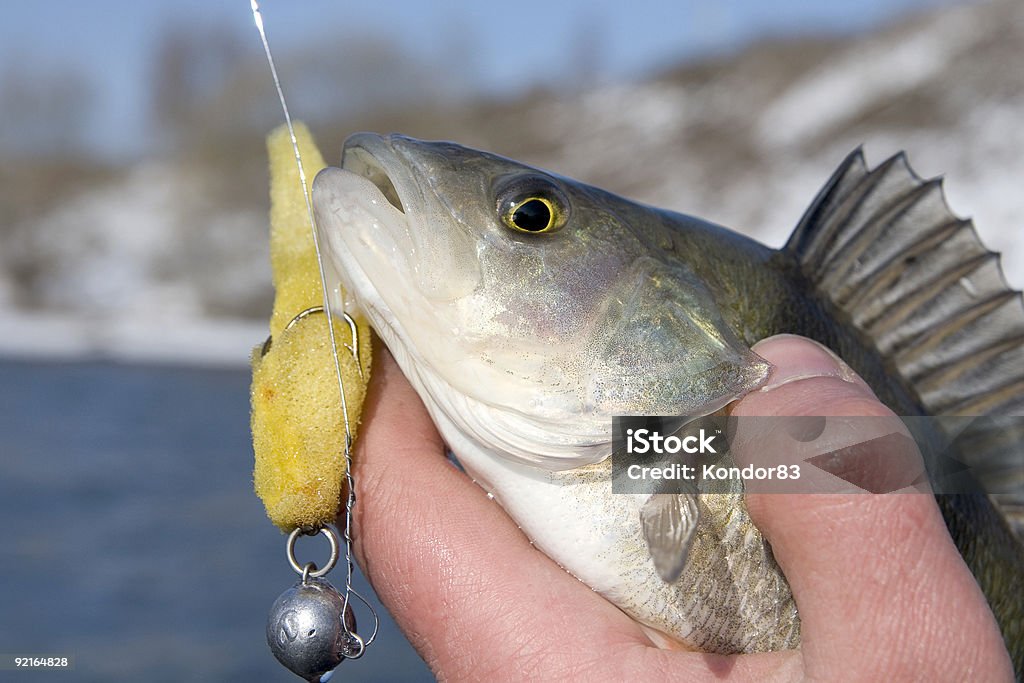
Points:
[(535, 214), (532, 205)]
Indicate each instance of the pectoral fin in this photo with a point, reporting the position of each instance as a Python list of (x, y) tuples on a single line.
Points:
[(668, 521)]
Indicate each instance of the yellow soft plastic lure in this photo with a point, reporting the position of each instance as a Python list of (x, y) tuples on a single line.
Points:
[(298, 432)]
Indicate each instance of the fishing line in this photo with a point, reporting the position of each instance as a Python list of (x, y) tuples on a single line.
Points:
[(258, 17), (313, 593)]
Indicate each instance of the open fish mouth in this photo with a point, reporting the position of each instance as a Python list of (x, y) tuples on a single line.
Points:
[(380, 209), (360, 161), (363, 231)]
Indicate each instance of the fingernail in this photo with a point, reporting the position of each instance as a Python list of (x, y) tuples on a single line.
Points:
[(795, 358)]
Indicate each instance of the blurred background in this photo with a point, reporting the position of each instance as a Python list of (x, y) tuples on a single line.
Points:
[(134, 272)]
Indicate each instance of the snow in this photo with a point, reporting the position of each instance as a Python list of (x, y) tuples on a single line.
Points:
[(105, 247), (123, 282), (864, 77)]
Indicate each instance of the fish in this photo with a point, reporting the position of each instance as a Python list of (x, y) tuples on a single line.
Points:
[(527, 309)]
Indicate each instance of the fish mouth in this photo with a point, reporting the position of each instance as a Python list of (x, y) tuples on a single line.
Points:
[(358, 156), (371, 217), (362, 222), (387, 209)]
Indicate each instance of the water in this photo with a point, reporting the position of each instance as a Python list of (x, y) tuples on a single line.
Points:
[(131, 538)]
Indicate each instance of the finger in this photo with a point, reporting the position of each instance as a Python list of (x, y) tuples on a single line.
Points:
[(458, 575), (877, 579)]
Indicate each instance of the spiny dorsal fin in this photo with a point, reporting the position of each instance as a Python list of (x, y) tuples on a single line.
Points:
[(884, 247)]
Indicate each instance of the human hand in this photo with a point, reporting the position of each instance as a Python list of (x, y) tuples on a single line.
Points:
[(882, 591)]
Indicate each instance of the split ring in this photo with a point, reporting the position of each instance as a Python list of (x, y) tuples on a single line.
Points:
[(304, 571)]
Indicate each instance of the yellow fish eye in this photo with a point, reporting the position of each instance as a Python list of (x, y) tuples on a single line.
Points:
[(532, 205), (533, 214)]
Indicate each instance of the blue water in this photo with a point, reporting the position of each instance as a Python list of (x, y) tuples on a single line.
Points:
[(130, 537)]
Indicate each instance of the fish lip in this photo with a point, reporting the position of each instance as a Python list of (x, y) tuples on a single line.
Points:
[(375, 158)]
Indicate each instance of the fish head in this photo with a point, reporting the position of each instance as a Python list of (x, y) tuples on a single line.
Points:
[(527, 309)]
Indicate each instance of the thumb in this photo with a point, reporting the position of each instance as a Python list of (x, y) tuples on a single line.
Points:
[(876, 577)]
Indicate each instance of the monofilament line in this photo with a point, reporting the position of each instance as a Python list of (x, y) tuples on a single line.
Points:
[(258, 18)]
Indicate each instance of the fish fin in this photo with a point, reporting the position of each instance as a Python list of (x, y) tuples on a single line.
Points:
[(885, 248), (992, 444), (668, 521)]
